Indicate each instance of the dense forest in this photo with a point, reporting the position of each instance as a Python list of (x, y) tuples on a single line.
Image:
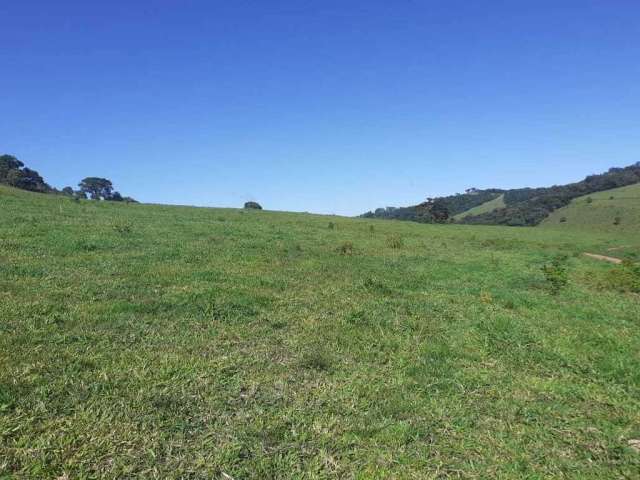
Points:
[(15, 174), (523, 206), (438, 210)]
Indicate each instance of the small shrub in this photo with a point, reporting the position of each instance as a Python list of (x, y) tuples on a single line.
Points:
[(86, 246), (556, 274), (376, 286), (331, 226), (123, 228), (316, 359), (346, 248), (589, 200), (611, 197), (486, 298), (624, 277), (617, 220), (395, 241), (563, 219), (371, 229)]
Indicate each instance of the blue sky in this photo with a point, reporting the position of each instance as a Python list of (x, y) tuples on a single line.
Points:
[(322, 106)]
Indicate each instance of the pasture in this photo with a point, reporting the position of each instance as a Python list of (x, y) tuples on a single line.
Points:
[(154, 341)]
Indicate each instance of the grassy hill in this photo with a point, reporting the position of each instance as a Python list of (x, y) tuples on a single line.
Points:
[(178, 342), (486, 207), (598, 212)]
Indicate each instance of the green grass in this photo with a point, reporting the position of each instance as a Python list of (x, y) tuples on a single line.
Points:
[(174, 342), (486, 207), (598, 215)]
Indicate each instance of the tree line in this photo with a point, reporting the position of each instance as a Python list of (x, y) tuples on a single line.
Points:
[(523, 206), (439, 209), (14, 173)]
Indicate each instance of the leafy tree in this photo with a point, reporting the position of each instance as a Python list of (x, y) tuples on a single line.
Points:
[(253, 205), (68, 191), (8, 163), (27, 179), (97, 188), (14, 173)]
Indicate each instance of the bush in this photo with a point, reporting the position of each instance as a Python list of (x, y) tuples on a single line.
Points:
[(556, 274), (624, 277), (395, 241), (617, 220), (123, 228), (331, 226), (346, 248), (253, 205), (589, 200), (316, 359), (563, 219)]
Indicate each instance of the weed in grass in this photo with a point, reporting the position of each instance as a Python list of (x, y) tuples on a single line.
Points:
[(486, 298), (556, 274), (316, 358), (624, 277), (123, 228), (331, 226), (395, 241), (86, 246), (346, 248)]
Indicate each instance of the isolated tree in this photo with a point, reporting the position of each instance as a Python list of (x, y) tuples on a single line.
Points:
[(68, 191), (253, 205), (96, 188)]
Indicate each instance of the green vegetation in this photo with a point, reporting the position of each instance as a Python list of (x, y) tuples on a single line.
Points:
[(437, 210), (616, 210), (14, 174), (141, 341), (520, 207), (486, 207)]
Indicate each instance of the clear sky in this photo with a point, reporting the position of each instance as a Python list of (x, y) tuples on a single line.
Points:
[(331, 106)]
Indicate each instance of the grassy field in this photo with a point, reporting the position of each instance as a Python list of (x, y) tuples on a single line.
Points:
[(598, 212), (175, 342), (486, 207)]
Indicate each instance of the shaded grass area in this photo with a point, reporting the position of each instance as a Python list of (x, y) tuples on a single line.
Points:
[(177, 342)]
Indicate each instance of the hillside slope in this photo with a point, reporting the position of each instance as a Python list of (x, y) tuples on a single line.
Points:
[(149, 341), (486, 207), (521, 206), (616, 210)]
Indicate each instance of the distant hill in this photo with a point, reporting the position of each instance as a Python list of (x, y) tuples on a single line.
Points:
[(486, 207), (610, 210), (516, 207)]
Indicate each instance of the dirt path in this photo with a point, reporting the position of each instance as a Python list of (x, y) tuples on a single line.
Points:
[(615, 260)]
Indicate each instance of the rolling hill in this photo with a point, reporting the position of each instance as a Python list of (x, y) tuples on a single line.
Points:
[(616, 210), (486, 207), (151, 341), (515, 207)]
